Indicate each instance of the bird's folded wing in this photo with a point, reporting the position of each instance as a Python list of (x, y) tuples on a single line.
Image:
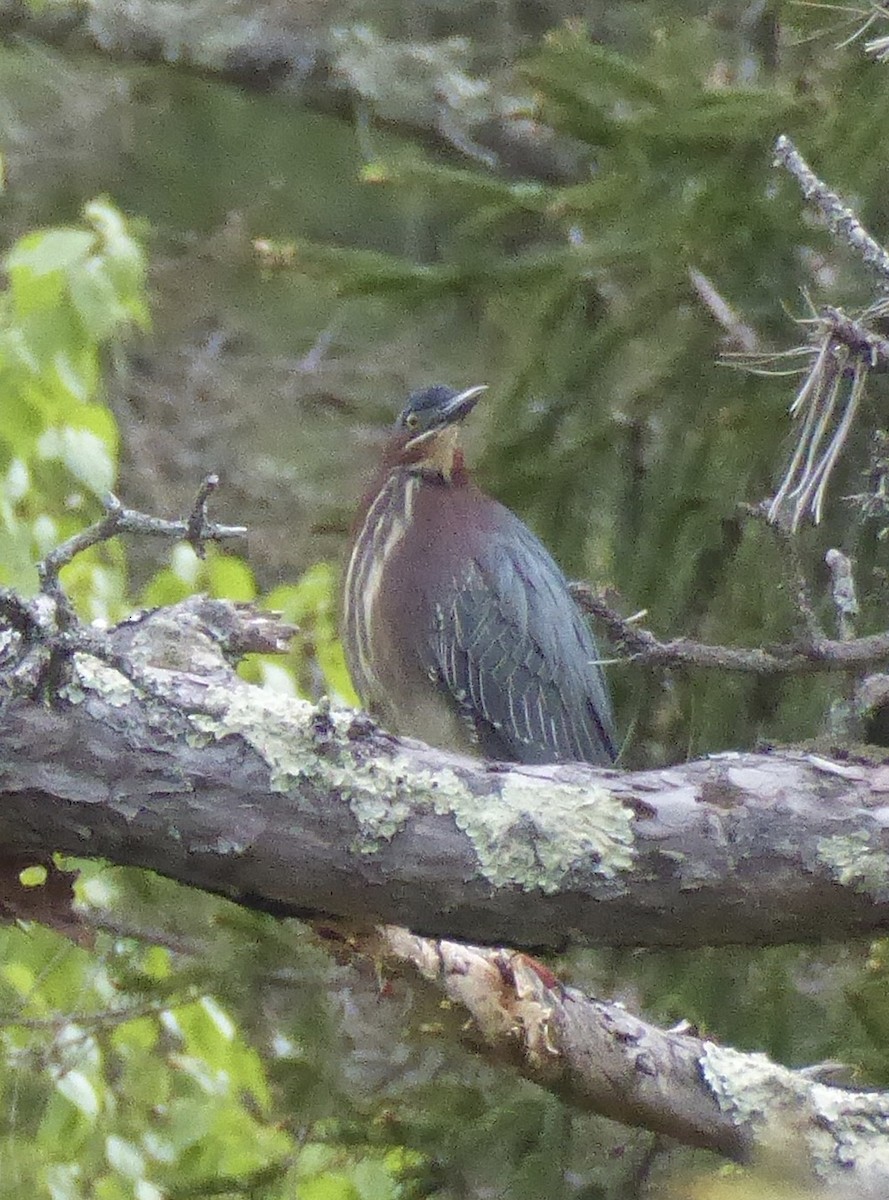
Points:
[(511, 648)]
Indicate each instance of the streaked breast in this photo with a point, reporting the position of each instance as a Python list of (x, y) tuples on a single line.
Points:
[(382, 532)]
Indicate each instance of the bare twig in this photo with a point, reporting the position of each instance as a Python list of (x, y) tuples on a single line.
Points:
[(196, 530), (792, 658), (49, 625), (741, 335), (198, 522), (827, 404), (840, 220), (845, 351), (854, 333), (877, 47)]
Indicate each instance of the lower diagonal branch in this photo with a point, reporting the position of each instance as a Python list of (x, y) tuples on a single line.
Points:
[(600, 1057)]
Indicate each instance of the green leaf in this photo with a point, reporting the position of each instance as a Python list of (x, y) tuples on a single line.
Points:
[(48, 332), (75, 1086), (112, 1187), (156, 962), (85, 455), (48, 251), (124, 1158), (136, 1037), (19, 975), (63, 1123), (228, 578), (312, 604), (95, 298), (165, 587), (17, 481), (333, 1186), (124, 259), (315, 591), (20, 424), (75, 381), (33, 876), (99, 420), (332, 661), (63, 1181), (373, 1181)]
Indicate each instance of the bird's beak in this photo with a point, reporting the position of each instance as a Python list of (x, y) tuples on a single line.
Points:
[(462, 404)]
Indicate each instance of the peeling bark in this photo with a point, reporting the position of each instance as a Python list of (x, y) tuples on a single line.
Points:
[(600, 1057), (144, 747), (304, 811)]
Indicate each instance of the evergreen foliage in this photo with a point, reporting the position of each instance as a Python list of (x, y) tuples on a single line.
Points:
[(219, 1053)]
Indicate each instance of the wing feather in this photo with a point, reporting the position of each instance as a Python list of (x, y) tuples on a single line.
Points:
[(511, 649)]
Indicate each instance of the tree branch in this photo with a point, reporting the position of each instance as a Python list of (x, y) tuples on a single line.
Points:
[(307, 811), (844, 351), (424, 91), (840, 220), (302, 810), (793, 658), (598, 1056), (197, 530)]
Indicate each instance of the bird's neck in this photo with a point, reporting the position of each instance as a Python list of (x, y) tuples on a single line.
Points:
[(448, 474), (439, 461), (457, 476)]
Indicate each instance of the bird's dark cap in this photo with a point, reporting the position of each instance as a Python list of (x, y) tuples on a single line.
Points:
[(435, 407)]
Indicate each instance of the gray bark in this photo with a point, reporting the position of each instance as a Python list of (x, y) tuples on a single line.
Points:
[(598, 1056), (304, 811), (144, 747), (426, 91)]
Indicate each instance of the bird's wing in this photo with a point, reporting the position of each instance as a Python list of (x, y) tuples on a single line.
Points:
[(509, 645)]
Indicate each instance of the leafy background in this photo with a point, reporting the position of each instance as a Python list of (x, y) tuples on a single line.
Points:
[(199, 278)]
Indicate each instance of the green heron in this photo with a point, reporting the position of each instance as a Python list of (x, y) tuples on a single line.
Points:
[(458, 626)]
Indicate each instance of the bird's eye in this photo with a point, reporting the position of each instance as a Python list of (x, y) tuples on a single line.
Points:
[(412, 420)]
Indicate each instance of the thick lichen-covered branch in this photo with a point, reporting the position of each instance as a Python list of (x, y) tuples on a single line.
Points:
[(175, 764), (428, 91), (154, 753)]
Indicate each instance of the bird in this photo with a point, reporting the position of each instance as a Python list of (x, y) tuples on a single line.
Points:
[(458, 626)]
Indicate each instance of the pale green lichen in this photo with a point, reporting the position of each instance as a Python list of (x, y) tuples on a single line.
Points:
[(535, 838), (522, 834), (93, 675), (856, 862), (830, 1127), (279, 729), (269, 722), (746, 1086), (850, 1129), (376, 803)]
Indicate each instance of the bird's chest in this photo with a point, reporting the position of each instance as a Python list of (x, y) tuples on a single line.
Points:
[(403, 566)]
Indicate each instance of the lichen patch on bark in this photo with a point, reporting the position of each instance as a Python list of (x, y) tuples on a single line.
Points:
[(537, 841), (855, 861)]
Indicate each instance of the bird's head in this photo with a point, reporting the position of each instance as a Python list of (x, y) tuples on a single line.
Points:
[(427, 433)]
